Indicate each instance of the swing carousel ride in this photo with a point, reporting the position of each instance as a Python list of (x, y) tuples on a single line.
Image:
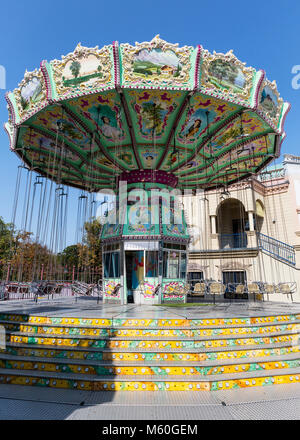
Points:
[(155, 116)]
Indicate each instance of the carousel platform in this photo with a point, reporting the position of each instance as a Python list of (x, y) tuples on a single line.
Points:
[(84, 345)]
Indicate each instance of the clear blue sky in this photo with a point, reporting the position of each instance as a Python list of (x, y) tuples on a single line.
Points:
[(263, 34)]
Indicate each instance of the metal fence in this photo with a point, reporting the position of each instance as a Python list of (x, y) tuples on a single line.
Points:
[(233, 241)]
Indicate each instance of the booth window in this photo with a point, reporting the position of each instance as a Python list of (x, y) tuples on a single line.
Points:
[(151, 264), (173, 265), (182, 265), (112, 265)]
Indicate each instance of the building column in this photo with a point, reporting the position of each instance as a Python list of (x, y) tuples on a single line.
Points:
[(251, 221), (251, 236), (213, 223)]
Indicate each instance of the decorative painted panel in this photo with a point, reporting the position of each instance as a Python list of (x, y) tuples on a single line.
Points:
[(81, 72), (157, 63)]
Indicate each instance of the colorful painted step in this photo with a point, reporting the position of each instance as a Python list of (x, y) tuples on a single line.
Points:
[(150, 354), (59, 329)]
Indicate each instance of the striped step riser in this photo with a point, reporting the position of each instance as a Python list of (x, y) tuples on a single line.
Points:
[(105, 345), (151, 344), (146, 356), (148, 322), (148, 385), (174, 333), (146, 370)]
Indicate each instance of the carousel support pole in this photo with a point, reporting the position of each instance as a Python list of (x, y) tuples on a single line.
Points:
[(160, 289), (122, 277), (160, 271), (8, 273), (122, 290), (73, 275)]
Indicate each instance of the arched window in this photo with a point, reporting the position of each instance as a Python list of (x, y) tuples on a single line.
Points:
[(232, 223)]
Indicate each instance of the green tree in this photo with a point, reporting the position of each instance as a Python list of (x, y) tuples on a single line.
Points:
[(90, 255), (69, 256), (75, 68), (6, 244), (178, 70), (28, 256), (90, 249), (223, 70), (153, 116)]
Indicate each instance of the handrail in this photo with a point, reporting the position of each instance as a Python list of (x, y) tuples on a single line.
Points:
[(276, 248)]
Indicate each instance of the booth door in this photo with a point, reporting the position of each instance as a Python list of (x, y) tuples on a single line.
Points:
[(134, 272)]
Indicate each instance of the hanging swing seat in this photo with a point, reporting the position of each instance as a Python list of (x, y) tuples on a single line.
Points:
[(81, 288), (287, 288), (53, 288), (236, 290), (17, 290), (3, 293), (255, 289), (216, 288), (268, 289), (200, 289), (240, 289)]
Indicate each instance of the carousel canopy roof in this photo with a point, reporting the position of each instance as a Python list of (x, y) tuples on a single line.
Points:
[(154, 111)]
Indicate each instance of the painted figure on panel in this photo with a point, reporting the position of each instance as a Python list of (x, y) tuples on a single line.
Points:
[(196, 125), (107, 120)]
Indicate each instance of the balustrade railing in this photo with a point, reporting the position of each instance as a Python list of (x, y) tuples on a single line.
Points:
[(233, 241), (276, 248)]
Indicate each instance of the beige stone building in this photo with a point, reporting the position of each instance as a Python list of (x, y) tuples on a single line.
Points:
[(249, 232)]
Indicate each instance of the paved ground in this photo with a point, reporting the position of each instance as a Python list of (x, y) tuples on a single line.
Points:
[(87, 307), (270, 403)]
